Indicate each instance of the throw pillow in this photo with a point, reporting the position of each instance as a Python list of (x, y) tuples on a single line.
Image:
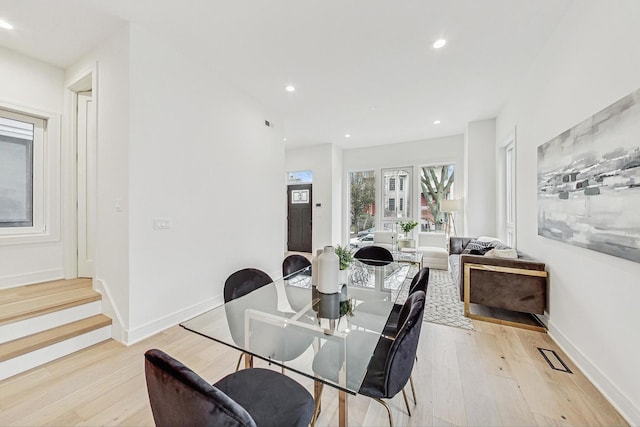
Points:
[(503, 253), (487, 239), (476, 247)]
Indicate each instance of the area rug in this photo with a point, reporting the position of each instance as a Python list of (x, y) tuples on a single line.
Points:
[(442, 304)]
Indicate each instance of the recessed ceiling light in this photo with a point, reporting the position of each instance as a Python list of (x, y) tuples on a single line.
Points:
[(5, 25), (436, 122), (347, 135), (439, 43), (284, 139), (290, 88)]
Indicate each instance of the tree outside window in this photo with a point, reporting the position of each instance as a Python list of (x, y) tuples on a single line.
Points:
[(437, 185), (362, 200)]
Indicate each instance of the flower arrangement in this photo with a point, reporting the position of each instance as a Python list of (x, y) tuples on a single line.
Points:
[(407, 227)]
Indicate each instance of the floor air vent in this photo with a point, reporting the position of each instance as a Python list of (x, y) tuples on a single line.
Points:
[(554, 360)]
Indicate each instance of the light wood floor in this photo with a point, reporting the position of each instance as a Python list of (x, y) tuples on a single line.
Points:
[(492, 377)]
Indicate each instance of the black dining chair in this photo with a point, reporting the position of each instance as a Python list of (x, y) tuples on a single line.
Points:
[(251, 397), (296, 271), (267, 340), (374, 255), (294, 265), (389, 368), (420, 282)]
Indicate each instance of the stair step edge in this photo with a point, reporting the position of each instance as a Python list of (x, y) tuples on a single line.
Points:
[(27, 309), (42, 339)]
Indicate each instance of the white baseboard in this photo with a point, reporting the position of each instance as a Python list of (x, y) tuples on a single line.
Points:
[(27, 361), (628, 409), (110, 309), (138, 334), (14, 280)]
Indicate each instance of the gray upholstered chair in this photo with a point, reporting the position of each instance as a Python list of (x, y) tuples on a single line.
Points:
[(390, 366), (251, 397)]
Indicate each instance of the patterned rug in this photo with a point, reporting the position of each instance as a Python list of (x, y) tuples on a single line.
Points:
[(443, 303)]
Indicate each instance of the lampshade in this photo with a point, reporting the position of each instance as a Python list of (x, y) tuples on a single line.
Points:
[(449, 205)]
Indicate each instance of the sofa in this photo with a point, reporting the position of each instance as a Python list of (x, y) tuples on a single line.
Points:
[(516, 283)]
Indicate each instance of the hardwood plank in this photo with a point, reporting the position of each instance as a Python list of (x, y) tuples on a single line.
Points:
[(69, 391), (42, 304), (19, 293)]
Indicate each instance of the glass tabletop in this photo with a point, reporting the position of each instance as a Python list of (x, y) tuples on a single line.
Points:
[(287, 321)]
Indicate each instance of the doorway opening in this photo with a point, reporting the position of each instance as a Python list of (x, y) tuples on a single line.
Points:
[(299, 211), (82, 212)]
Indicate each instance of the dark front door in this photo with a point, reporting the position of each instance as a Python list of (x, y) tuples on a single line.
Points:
[(299, 214)]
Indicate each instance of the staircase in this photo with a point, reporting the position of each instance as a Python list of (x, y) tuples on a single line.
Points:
[(42, 322)]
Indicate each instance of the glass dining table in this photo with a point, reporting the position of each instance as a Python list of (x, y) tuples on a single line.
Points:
[(287, 321)]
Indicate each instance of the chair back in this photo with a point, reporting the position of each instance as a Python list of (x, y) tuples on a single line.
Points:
[(244, 281), (373, 255), (295, 264), (402, 353), (420, 281), (180, 397)]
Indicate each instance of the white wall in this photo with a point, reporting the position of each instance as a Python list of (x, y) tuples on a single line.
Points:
[(35, 86), (200, 155), (110, 61), (416, 153), (323, 161), (590, 62), (480, 182)]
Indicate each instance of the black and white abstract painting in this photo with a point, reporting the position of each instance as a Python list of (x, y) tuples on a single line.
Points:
[(589, 182)]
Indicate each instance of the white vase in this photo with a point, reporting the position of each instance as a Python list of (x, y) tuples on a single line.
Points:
[(328, 268), (314, 268)]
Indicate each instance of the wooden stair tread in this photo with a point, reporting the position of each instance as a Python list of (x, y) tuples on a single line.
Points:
[(46, 303), (42, 339), (19, 293)]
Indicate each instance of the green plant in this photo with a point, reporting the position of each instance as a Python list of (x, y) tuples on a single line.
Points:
[(345, 255), (407, 226)]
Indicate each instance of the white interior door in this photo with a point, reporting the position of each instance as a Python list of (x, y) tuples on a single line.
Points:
[(86, 137)]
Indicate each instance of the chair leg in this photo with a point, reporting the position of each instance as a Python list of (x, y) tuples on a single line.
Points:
[(413, 390), (239, 360), (317, 394), (406, 402), (387, 408)]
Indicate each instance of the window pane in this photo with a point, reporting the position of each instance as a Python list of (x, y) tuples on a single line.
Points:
[(392, 193), (436, 185), (16, 176), (362, 202)]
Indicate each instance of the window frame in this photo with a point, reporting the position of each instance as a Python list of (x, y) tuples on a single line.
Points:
[(510, 193), (45, 173)]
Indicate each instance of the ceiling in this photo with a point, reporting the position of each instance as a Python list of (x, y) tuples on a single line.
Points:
[(361, 67)]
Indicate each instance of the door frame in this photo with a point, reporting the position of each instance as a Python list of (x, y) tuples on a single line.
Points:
[(85, 79)]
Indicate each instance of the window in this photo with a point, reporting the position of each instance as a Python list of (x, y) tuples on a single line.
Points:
[(510, 196), (396, 198), (392, 204), (362, 202), (436, 185), (21, 173)]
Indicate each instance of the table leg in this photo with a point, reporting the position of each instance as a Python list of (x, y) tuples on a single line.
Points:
[(343, 412)]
